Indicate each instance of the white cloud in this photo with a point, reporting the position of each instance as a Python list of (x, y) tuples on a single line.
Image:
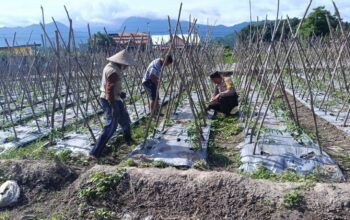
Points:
[(228, 12)]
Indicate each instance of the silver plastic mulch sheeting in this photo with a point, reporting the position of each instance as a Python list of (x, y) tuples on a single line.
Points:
[(278, 151)]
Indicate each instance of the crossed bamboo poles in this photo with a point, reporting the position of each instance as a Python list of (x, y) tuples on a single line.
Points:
[(306, 67), (63, 80)]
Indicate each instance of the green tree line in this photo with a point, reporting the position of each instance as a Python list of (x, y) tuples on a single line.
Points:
[(315, 24)]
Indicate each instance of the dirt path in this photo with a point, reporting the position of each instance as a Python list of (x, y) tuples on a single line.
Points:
[(334, 141)]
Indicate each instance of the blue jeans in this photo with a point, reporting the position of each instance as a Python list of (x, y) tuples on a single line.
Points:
[(112, 119)]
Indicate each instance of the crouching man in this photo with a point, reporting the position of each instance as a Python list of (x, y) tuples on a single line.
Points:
[(225, 97), (111, 101)]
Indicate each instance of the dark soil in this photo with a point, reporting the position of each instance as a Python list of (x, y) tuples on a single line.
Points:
[(38, 180), (332, 140), (173, 194)]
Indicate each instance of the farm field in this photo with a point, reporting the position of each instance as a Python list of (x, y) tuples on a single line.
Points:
[(284, 152)]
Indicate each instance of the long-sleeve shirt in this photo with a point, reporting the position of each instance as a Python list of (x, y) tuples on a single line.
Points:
[(111, 83), (225, 88)]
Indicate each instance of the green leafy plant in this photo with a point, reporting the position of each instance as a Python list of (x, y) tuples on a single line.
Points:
[(103, 214), (160, 164), (200, 165), (65, 155), (9, 139), (276, 105), (5, 214), (262, 173), (292, 199), (128, 163), (168, 122), (193, 135), (293, 129), (100, 184)]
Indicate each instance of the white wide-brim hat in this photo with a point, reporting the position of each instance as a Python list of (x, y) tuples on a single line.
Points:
[(122, 57)]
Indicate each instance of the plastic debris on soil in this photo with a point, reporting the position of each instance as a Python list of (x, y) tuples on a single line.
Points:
[(278, 151), (173, 146), (9, 193)]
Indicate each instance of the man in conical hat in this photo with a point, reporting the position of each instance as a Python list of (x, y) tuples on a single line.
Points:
[(111, 100)]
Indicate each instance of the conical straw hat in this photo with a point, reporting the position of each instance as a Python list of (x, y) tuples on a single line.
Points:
[(122, 57)]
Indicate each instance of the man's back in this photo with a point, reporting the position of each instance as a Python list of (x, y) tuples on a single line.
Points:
[(153, 68)]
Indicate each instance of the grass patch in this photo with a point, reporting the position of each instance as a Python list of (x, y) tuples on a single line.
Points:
[(225, 135), (307, 180), (67, 157), (228, 55), (103, 214), (200, 165), (128, 163), (224, 127), (33, 151), (144, 165), (292, 199), (264, 173), (100, 185), (159, 164), (193, 134), (36, 151), (5, 214)]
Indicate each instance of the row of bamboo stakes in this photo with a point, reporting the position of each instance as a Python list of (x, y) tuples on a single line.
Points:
[(62, 76), (312, 66)]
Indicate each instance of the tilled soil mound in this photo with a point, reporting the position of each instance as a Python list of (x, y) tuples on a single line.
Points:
[(174, 194), (36, 179), (37, 174)]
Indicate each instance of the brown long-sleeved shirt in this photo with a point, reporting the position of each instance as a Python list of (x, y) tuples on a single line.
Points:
[(111, 84)]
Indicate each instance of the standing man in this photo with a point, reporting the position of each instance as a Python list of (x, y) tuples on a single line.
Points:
[(151, 78), (111, 101), (225, 97)]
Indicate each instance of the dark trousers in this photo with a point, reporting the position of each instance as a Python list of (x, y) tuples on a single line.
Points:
[(224, 104), (112, 119), (151, 89)]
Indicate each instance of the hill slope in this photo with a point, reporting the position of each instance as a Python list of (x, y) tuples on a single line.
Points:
[(32, 34)]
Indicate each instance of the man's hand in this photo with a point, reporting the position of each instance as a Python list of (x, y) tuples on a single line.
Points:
[(215, 98), (122, 95)]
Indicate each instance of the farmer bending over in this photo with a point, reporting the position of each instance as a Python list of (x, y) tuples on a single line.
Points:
[(150, 80), (111, 101), (225, 97)]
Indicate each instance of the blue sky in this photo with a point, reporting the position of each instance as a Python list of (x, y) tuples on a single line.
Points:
[(109, 12)]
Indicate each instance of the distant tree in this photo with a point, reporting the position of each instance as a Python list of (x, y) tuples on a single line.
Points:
[(227, 40), (244, 34), (316, 23), (346, 25), (100, 41)]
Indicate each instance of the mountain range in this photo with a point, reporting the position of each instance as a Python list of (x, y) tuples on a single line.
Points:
[(33, 33)]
